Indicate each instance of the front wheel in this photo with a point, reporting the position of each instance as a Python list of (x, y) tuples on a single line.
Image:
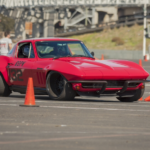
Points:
[(58, 88), (138, 94)]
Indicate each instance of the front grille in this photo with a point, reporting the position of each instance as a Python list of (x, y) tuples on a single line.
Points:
[(115, 84), (92, 85), (110, 84), (133, 84)]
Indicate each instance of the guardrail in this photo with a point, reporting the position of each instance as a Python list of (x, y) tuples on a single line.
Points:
[(40, 3), (127, 21)]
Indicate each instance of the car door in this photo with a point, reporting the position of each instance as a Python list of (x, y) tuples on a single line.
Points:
[(20, 68)]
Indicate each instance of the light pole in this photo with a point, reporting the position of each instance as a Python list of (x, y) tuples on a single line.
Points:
[(145, 24)]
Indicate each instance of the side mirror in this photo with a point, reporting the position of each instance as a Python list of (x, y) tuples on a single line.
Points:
[(26, 51), (92, 53)]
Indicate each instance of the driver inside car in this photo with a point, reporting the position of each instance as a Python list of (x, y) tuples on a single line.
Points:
[(26, 51), (62, 51), (59, 51)]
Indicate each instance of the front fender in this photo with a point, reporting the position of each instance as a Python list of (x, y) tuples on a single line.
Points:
[(68, 70), (132, 65)]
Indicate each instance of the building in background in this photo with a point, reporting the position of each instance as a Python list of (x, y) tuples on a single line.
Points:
[(41, 18)]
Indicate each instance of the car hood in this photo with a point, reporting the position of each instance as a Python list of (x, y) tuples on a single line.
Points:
[(110, 69), (91, 69)]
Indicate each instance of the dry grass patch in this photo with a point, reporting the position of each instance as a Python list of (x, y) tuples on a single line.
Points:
[(126, 38)]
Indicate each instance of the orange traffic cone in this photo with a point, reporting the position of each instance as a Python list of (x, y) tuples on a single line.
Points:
[(145, 58), (102, 58), (30, 98), (147, 99), (141, 99), (140, 63)]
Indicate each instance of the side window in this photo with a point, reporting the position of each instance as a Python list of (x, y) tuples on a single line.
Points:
[(25, 50), (76, 49)]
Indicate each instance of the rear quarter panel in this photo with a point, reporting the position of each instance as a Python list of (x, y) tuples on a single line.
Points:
[(4, 60)]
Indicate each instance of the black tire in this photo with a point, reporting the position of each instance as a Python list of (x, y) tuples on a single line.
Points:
[(138, 94), (4, 88), (58, 88)]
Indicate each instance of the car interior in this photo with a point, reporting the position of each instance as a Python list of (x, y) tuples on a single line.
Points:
[(50, 50), (25, 50)]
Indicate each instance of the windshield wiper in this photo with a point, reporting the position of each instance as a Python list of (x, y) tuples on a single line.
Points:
[(61, 57), (82, 56)]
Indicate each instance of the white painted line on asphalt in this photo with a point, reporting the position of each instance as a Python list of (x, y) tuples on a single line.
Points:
[(83, 108), (6, 119), (147, 92), (67, 132), (8, 104), (88, 108), (13, 101), (86, 103), (74, 138), (46, 132)]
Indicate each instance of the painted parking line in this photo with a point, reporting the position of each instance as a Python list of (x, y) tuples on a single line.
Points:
[(80, 108)]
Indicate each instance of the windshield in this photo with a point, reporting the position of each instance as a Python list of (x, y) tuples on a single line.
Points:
[(48, 49)]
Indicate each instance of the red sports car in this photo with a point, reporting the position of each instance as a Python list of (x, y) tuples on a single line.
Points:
[(64, 68)]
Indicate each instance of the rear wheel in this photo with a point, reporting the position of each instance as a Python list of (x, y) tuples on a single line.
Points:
[(4, 88), (138, 94), (58, 88)]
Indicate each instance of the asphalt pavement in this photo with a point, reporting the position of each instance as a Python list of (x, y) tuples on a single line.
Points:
[(80, 124)]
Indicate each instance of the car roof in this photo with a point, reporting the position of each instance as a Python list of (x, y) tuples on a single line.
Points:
[(49, 39)]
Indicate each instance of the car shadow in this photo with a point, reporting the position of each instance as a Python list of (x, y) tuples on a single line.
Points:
[(77, 99)]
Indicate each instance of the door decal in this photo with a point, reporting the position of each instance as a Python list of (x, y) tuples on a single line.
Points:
[(20, 63), (16, 74)]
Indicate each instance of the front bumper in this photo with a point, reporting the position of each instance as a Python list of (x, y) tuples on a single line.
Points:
[(77, 85)]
